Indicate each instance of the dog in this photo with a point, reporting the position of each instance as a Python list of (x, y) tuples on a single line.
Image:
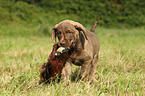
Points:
[(86, 47)]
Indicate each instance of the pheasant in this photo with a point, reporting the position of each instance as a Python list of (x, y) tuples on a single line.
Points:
[(56, 61)]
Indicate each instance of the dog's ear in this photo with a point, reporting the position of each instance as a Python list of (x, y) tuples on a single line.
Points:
[(82, 30), (77, 25), (82, 38), (53, 34)]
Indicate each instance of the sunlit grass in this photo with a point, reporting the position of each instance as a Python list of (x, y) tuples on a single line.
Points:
[(120, 70)]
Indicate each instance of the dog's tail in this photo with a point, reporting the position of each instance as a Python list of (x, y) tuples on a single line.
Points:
[(94, 26)]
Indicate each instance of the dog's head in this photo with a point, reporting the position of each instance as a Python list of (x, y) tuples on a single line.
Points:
[(68, 33)]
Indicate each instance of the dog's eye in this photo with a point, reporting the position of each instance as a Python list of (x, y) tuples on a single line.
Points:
[(69, 32)]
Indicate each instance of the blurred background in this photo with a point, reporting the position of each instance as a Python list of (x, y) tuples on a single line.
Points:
[(111, 13)]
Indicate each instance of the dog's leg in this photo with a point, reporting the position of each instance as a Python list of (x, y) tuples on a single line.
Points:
[(93, 69), (66, 72)]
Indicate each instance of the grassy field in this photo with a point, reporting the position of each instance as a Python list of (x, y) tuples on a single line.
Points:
[(120, 70)]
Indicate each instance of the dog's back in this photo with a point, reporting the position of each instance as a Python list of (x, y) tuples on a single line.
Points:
[(94, 40)]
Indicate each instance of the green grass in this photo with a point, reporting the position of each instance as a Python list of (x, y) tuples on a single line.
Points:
[(120, 70)]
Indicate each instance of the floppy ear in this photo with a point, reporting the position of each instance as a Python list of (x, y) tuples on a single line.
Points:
[(53, 34), (77, 25), (82, 38), (82, 30)]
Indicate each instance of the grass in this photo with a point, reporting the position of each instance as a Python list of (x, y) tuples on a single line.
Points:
[(120, 70)]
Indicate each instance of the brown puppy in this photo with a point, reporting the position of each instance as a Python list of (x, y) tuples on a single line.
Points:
[(86, 47)]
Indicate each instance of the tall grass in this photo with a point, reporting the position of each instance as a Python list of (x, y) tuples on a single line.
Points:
[(120, 70)]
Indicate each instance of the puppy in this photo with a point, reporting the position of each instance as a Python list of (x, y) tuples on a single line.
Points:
[(85, 45)]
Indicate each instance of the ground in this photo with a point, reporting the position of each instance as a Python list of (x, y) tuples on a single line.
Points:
[(120, 70)]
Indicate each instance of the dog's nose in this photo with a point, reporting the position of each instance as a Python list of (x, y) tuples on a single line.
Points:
[(62, 43)]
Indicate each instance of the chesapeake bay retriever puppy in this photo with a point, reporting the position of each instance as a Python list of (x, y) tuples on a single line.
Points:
[(85, 46)]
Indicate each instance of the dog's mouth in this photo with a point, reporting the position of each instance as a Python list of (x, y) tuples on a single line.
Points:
[(62, 50), (67, 45)]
